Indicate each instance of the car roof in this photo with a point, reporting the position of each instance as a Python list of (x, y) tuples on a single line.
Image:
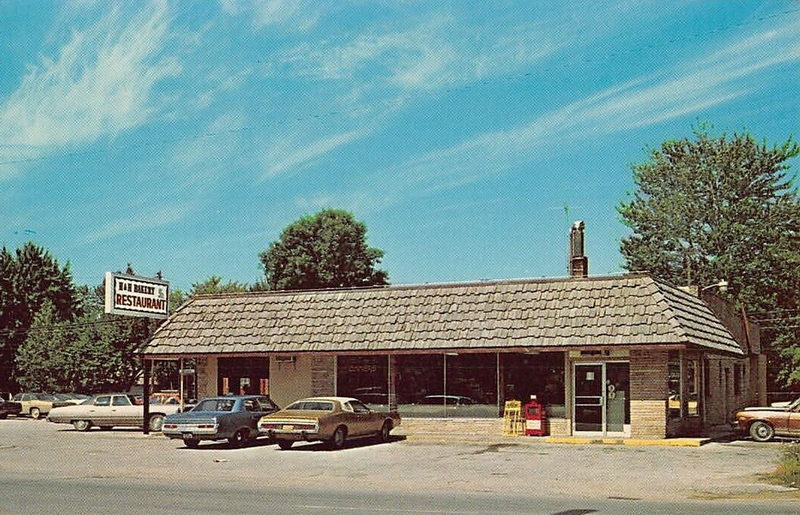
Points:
[(235, 397)]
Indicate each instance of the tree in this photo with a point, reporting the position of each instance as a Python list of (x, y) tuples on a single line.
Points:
[(324, 250), (214, 285), (712, 208), (30, 279)]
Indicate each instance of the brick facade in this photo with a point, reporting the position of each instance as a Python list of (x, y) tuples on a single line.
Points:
[(649, 391), (323, 375)]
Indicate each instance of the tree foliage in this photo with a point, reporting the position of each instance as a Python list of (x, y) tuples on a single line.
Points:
[(712, 208), (324, 250), (214, 285), (29, 279)]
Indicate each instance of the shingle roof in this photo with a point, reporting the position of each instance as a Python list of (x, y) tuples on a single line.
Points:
[(620, 310)]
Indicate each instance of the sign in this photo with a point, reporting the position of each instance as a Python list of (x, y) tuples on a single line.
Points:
[(136, 296)]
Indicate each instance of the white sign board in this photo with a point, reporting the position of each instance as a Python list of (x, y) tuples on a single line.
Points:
[(136, 296)]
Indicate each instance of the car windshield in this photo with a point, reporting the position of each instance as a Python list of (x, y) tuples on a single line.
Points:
[(795, 404), (62, 396), (215, 405), (311, 406)]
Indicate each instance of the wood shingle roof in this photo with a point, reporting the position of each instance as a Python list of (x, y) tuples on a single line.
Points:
[(599, 311)]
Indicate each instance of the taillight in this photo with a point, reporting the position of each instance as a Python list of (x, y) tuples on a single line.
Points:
[(171, 426), (206, 426), (270, 426)]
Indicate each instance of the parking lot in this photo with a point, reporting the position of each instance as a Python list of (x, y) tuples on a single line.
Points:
[(38, 454)]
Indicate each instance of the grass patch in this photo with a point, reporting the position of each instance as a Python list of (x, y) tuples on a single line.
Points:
[(788, 471)]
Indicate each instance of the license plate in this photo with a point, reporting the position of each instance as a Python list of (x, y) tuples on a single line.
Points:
[(288, 428), (188, 436)]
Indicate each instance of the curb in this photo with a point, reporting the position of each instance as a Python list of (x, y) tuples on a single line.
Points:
[(568, 440)]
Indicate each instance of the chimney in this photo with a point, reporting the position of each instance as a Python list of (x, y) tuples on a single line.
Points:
[(578, 263)]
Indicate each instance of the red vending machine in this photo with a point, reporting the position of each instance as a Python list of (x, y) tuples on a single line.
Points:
[(535, 418)]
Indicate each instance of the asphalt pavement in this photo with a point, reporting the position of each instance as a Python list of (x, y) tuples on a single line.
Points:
[(47, 467)]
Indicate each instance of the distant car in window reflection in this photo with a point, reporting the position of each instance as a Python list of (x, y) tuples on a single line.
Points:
[(448, 400)]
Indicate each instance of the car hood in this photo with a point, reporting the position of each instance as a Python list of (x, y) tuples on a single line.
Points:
[(766, 408)]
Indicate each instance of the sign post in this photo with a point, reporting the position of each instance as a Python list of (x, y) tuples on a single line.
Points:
[(136, 296)]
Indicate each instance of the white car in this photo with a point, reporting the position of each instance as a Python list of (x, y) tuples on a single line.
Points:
[(111, 409)]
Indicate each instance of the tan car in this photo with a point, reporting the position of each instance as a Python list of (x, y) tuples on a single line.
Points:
[(36, 405), (765, 423), (329, 419), (111, 409)]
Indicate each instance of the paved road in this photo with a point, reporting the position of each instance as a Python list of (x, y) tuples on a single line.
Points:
[(46, 466)]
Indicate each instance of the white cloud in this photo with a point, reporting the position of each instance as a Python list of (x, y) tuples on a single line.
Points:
[(141, 218), (711, 80), (295, 15), (100, 83), (289, 154), (435, 53)]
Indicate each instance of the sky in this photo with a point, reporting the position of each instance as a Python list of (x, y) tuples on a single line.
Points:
[(183, 137)]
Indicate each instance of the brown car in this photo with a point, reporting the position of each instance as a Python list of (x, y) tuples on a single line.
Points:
[(329, 419), (765, 423)]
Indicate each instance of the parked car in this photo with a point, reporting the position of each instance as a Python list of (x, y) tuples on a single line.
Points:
[(36, 405), (329, 419), (765, 423), (111, 409), (232, 418), (451, 400), (9, 407)]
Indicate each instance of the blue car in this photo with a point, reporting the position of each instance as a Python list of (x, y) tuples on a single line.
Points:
[(233, 418)]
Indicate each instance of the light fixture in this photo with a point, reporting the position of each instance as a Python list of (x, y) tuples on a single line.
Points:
[(722, 285)]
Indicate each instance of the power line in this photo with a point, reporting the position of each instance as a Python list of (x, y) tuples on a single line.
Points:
[(403, 99)]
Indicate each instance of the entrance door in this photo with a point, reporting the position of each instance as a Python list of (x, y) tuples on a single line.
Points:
[(589, 398), (601, 399)]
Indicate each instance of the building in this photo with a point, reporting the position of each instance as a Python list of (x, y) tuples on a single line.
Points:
[(626, 356)]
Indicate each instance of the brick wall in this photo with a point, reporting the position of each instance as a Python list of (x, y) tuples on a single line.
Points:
[(648, 386)]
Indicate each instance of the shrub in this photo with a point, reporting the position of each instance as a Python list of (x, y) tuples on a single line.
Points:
[(788, 471)]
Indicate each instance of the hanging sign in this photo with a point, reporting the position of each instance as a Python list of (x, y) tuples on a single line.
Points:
[(136, 296)]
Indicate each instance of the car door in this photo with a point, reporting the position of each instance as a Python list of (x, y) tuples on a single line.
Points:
[(363, 419), (793, 428), (100, 411), (124, 413)]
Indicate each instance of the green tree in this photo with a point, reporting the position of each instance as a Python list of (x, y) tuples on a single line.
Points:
[(711, 208), (31, 278), (324, 250), (214, 285)]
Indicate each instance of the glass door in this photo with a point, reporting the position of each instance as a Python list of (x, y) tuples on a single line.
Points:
[(601, 399), (589, 398)]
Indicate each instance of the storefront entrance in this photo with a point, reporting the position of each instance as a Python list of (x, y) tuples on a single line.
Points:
[(243, 376), (601, 399)]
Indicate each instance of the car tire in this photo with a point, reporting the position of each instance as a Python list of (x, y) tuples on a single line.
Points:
[(81, 425), (156, 421), (761, 431), (386, 429), (3, 415), (338, 438), (285, 444), (35, 413), (238, 438), (192, 444)]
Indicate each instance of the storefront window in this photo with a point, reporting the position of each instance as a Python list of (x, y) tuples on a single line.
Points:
[(692, 388), (420, 385), (471, 389), (365, 378), (674, 382), (541, 374)]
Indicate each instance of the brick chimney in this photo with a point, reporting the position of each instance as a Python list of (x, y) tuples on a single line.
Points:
[(578, 263)]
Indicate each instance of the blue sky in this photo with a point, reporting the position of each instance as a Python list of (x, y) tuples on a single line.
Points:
[(184, 136)]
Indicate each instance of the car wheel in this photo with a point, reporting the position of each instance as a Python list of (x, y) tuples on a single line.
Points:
[(192, 444), (3, 415), (338, 438), (81, 425), (156, 421), (386, 428), (761, 431), (35, 413), (238, 438), (285, 444)]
